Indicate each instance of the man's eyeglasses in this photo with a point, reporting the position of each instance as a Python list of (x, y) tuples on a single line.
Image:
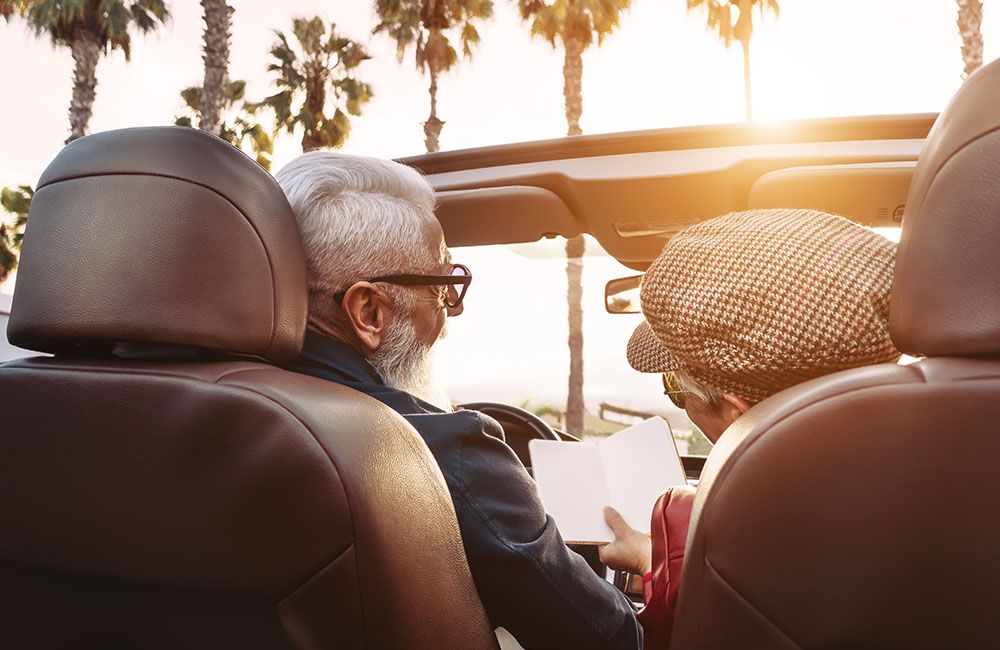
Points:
[(672, 389), (457, 283)]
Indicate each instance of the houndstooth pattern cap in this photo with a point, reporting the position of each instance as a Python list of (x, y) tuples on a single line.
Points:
[(751, 303)]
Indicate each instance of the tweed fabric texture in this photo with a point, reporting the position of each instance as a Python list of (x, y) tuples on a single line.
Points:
[(751, 303)]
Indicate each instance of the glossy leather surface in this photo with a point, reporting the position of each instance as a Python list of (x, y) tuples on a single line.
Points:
[(159, 235), (669, 527), (855, 510), (946, 288), (230, 504)]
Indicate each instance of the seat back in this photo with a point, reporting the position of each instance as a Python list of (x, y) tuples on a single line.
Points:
[(162, 484), (857, 510)]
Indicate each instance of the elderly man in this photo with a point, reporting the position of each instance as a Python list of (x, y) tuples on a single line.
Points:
[(739, 308), (381, 284)]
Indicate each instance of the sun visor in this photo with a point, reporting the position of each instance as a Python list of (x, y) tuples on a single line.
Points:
[(872, 194), (503, 215)]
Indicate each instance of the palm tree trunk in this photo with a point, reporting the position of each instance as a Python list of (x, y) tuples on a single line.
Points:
[(86, 51), (433, 125), (218, 22), (315, 86), (970, 20), (573, 85), (574, 297), (573, 94), (746, 78)]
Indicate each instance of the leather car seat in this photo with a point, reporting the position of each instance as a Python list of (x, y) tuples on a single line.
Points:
[(859, 510), (162, 484)]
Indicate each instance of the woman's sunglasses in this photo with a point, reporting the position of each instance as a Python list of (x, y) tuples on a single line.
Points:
[(672, 389)]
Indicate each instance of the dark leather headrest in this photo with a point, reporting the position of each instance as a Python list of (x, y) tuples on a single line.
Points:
[(163, 235), (946, 290)]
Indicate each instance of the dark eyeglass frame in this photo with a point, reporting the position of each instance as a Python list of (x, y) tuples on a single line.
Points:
[(416, 280), (672, 389)]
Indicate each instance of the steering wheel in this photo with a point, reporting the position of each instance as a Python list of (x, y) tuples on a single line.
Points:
[(519, 426)]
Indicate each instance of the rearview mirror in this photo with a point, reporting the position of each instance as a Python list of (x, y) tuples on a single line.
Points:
[(621, 296)]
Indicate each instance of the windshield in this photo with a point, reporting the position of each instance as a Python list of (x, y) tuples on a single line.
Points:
[(510, 344)]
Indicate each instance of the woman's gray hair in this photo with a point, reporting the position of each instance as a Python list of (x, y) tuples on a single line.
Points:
[(712, 398), (359, 218)]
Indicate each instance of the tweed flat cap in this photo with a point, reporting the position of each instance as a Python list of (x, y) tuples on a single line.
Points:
[(754, 302)]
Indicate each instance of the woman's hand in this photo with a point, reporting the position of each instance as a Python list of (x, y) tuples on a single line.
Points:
[(631, 551)]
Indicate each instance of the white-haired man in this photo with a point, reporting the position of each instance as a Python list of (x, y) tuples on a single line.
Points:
[(381, 284)]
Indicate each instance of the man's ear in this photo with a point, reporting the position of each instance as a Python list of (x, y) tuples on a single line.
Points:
[(367, 308), (734, 406)]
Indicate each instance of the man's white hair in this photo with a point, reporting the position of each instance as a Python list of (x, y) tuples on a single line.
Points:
[(362, 218), (359, 218)]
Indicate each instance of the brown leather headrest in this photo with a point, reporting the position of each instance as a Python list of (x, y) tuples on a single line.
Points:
[(162, 235), (946, 290)]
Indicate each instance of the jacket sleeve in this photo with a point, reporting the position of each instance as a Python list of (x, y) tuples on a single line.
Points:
[(530, 582), (669, 528)]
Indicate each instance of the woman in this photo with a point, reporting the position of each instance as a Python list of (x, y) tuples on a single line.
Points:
[(739, 308)]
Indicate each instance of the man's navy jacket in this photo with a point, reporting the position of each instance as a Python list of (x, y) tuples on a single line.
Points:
[(530, 583)]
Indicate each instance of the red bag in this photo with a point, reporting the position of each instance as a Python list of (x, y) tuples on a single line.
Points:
[(671, 516)]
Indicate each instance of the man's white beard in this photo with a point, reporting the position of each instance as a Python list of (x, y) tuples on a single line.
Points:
[(407, 364)]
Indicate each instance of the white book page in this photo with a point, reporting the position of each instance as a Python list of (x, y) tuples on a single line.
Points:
[(572, 487), (640, 463)]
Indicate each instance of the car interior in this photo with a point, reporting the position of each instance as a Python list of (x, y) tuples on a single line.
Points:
[(171, 485)]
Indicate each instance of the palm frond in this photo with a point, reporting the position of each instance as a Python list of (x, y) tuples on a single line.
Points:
[(110, 22), (16, 202), (350, 53), (192, 97), (355, 92), (400, 20), (281, 104), (315, 59), (470, 38), (418, 23), (235, 91), (474, 9), (8, 258), (11, 8), (730, 28), (336, 129)]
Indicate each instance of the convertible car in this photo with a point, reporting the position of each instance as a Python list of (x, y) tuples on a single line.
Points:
[(163, 483)]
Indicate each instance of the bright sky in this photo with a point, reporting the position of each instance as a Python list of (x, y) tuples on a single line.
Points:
[(660, 69)]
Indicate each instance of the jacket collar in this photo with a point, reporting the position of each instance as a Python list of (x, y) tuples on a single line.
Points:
[(340, 358)]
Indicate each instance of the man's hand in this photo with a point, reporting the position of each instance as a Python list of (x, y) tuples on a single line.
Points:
[(631, 551)]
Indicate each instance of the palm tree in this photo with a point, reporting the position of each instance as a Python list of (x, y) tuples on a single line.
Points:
[(426, 24), (87, 27), (218, 25), (720, 19), (319, 63), (574, 23), (238, 123), (970, 20), (15, 201), (9, 8)]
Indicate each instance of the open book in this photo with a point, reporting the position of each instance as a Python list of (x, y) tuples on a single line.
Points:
[(627, 471)]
